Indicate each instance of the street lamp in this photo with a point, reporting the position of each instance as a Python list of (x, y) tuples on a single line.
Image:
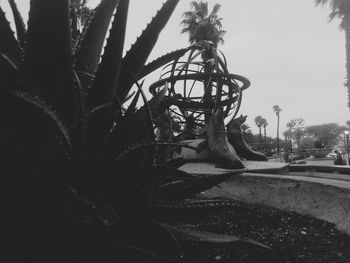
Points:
[(346, 134)]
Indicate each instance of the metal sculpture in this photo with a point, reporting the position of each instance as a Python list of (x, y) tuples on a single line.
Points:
[(204, 83), (205, 91)]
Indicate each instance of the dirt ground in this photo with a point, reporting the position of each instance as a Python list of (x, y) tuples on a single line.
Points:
[(292, 237)]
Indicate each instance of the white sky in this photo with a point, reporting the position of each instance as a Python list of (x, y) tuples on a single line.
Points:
[(286, 48)]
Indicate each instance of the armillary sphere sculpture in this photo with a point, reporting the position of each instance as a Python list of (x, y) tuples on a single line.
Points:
[(204, 83), (207, 94)]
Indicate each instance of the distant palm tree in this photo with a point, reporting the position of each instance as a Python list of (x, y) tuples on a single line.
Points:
[(245, 128), (206, 28), (264, 125), (341, 9), (277, 110), (79, 14), (290, 126), (259, 121), (200, 25), (348, 124), (247, 133)]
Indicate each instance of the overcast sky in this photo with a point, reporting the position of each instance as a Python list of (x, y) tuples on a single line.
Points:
[(286, 48)]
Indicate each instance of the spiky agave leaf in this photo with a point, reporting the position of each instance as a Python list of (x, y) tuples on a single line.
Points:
[(182, 232), (20, 26), (188, 185), (48, 60), (35, 137), (82, 106), (136, 57), (107, 75), (253, 249), (158, 206), (134, 127), (8, 42), (127, 190), (161, 61), (9, 77), (132, 107), (150, 239), (89, 53), (144, 145), (50, 117), (99, 123)]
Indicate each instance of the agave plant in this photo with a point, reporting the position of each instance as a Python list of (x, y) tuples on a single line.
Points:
[(80, 175)]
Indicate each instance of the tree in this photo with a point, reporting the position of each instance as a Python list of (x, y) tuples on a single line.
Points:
[(264, 124), (79, 14), (259, 121), (206, 29), (307, 142), (200, 25), (295, 131), (324, 135), (341, 10), (245, 128), (277, 110), (348, 124), (247, 133)]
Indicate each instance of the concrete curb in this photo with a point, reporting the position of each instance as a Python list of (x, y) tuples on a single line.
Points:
[(320, 198)]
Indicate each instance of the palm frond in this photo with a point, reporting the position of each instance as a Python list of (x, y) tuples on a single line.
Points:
[(215, 10), (203, 9), (321, 2), (195, 5), (189, 15)]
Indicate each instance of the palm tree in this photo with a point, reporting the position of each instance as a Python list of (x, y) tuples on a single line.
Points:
[(296, 129), (290, 126), (264, 125), (206, 28), (259, 121), (245, 128), (79, 15), (277, 110), (200, 25), (341, 10), (348, 124)]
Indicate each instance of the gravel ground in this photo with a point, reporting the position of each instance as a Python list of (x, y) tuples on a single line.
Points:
[(292, 237)]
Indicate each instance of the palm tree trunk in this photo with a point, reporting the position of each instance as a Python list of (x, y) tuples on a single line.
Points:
[(265, 139), (346, 23), (260, 138), (207, 99), (208, 86), (290, 139), (278, 134)]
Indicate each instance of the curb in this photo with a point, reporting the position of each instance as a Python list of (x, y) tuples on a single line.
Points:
[(321, 198)]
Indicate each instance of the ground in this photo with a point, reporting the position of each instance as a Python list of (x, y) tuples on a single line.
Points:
[(292, 237)]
